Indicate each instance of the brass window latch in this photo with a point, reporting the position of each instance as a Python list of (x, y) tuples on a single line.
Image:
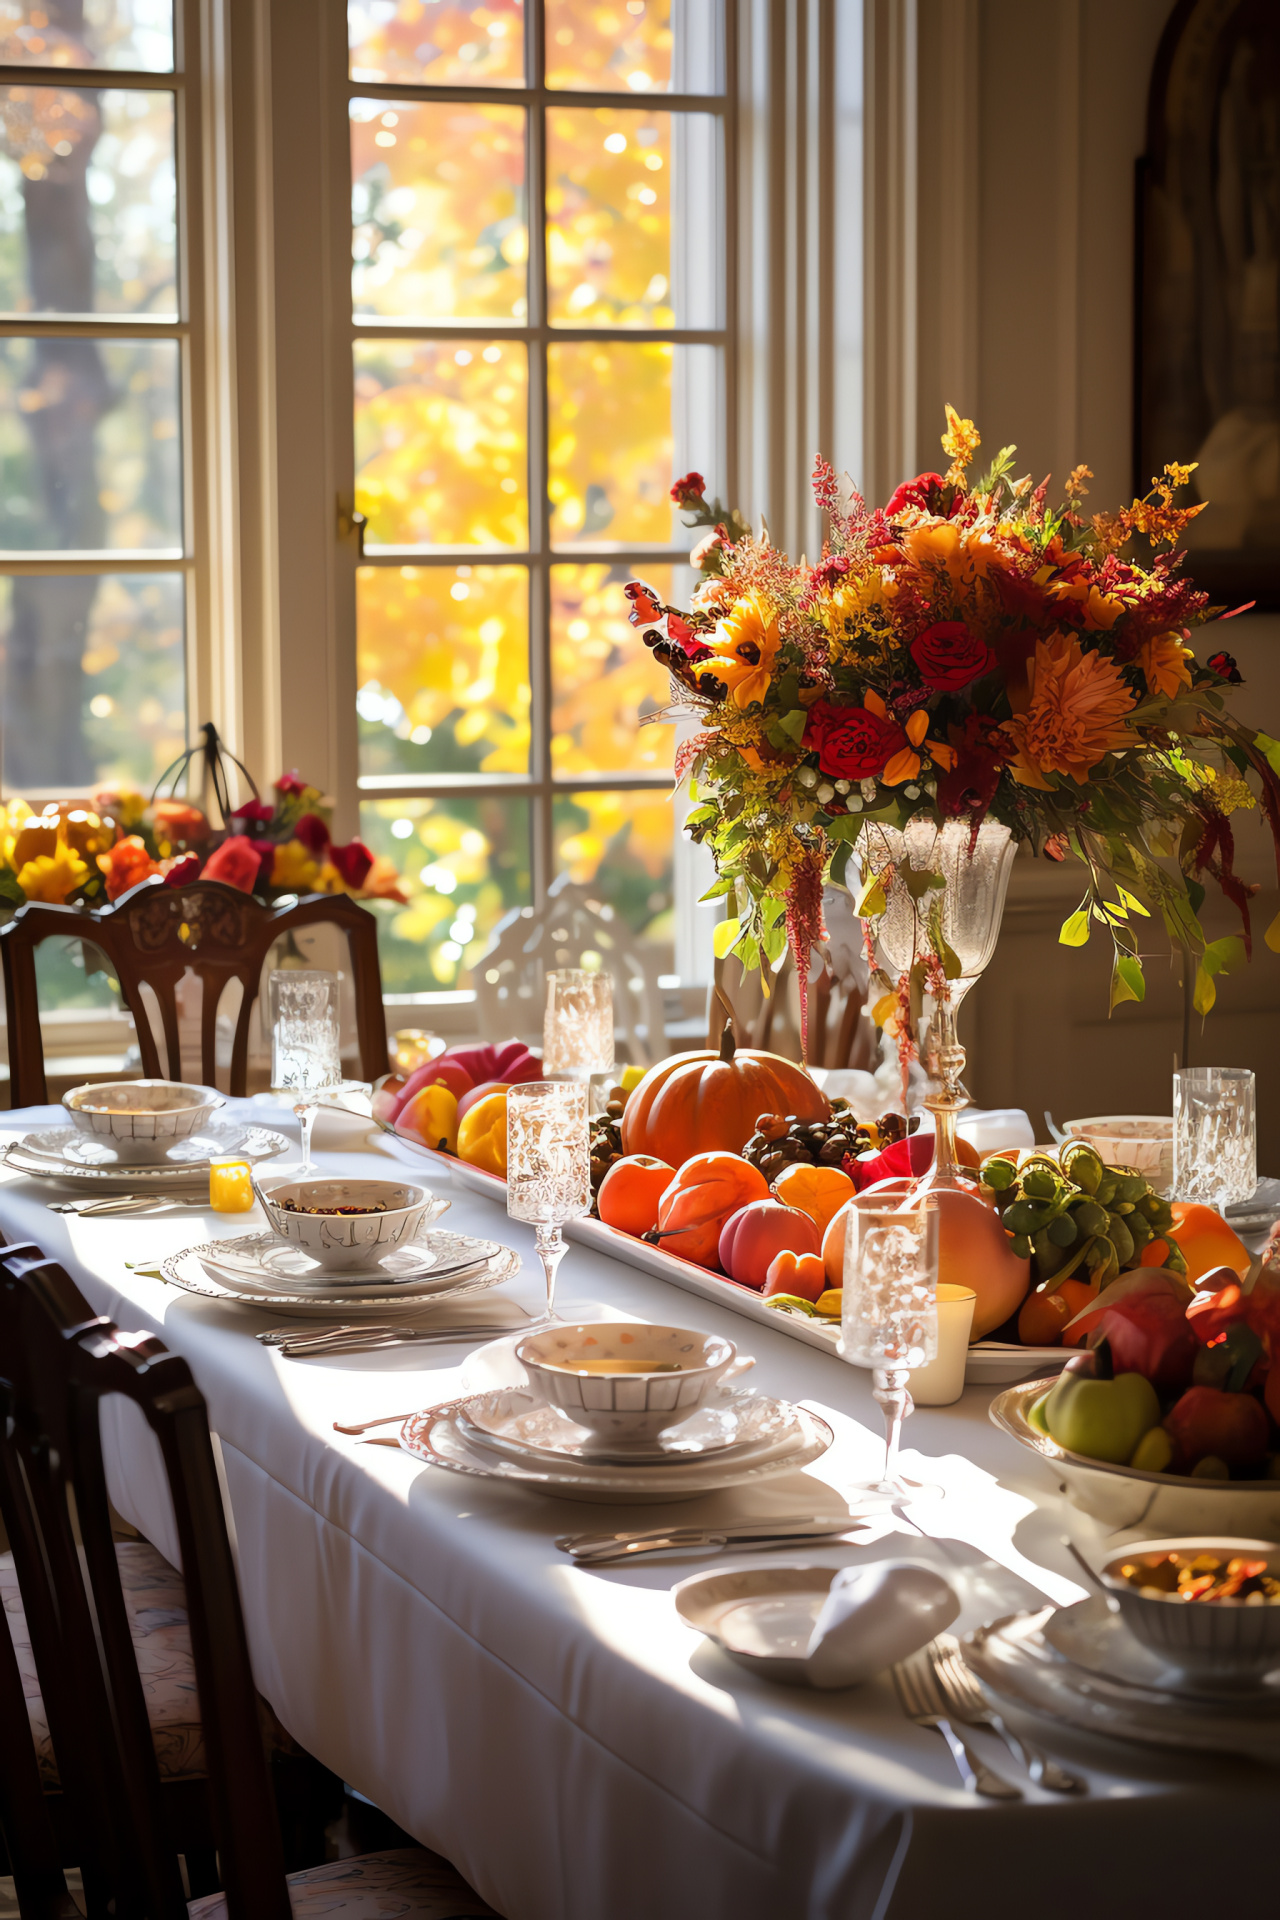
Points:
[(351, 521)]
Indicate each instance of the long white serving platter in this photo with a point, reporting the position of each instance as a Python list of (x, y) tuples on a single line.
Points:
[(989, 1360)]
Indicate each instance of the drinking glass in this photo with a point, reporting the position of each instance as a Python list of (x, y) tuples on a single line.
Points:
[(577, 1027), (1215, 1147), (548, 1165), (890, 1310), (306, 1060)]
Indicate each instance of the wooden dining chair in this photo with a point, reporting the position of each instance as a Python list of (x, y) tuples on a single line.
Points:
[(152, 935), (58, 1363)]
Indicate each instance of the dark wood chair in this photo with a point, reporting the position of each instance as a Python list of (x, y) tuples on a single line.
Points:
[(154, 933), (58, 1362)]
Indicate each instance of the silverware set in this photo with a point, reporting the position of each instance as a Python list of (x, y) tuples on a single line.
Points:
[(936, 1689), (122, 1203), (359, 1337), (602, 1549)]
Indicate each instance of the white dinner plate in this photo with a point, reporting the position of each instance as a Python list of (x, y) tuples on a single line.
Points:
[(264, 1263), (47, 1155), (521, 1427), (188, 1270), (1107, 1687), (436, 1437)]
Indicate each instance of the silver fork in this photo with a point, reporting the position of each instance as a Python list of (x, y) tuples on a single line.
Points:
[(966, 1700), (920, 1700)]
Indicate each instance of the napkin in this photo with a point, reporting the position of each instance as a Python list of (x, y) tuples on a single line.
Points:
[(874, 1616)]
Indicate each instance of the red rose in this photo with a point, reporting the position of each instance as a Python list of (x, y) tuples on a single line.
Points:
[(950, 655), (254, 813), (689, 490), (852, 743), (923, 492)]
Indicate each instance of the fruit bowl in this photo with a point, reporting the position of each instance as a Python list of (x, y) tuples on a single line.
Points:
[(1165, 1503)]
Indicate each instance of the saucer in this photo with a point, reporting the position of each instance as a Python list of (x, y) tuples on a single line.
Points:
[(202, 1270), (1109, 1684), (762, 1616), (522, 1427), (266, 1263), (65, 1154)]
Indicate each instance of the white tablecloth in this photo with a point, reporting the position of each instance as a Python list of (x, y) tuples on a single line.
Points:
[(559, 1734)]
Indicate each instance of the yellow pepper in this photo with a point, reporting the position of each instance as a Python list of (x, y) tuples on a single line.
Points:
[(432, 1117), (482, 1134)]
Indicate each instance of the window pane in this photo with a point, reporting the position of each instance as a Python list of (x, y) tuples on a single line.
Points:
[(100, 33), (621, 845), (624, 419), (440, 442), (438, 211), (613, 256), (442, 657), (438, 42), (87, 212), (637, 46), (90, 456), (465, 863), (94, 679), (604, 680)]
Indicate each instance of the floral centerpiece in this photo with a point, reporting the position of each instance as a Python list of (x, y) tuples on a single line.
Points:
[(970, 652), (86, 853)]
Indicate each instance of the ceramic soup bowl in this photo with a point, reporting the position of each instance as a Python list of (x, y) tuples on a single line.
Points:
[(625, 1381)]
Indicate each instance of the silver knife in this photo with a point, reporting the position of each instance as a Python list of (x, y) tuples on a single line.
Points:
[(590, 1547), (365, 1342), (127, 1203)]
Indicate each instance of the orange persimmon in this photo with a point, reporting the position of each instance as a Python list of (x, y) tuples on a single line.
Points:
[(693, 1209), (801, 1274), (631, 1190), (818, 1191), (1206, 1241), (1044, 1315)]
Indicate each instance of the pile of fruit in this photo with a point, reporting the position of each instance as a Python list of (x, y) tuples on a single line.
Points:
[(457, 1103)]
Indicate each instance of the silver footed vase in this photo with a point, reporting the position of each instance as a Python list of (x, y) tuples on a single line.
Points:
[(975, 867)]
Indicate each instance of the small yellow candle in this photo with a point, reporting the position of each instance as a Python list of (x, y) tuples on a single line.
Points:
[(230, 1190)]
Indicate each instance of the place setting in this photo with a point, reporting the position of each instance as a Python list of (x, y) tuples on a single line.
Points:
[(140, 1139)]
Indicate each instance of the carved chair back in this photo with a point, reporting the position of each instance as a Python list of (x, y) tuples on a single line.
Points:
[(153, 934)]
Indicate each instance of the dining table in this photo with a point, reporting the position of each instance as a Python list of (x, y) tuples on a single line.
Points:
[(558, 1731)]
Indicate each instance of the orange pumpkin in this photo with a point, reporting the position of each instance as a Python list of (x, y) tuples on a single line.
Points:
[(1206, 1241), (754, 1234), (707, 1189), (800, 1274), (973, 1251), (631, 1192), (817, 1191), (708, 1102)]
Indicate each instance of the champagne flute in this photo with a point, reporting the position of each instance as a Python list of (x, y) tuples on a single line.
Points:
[(548, 1165), (306, 1060), (889, 1318)]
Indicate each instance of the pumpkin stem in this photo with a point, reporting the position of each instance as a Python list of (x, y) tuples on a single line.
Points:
[(728, 1045)]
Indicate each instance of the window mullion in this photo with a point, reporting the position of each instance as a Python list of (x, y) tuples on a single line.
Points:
[(542, 850)]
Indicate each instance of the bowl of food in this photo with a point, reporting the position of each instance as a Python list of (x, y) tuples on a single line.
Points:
[(625, 1381), (1143, 1141), (141, 1119), (347, 1223), (1126, 1496), (1209, 1604)]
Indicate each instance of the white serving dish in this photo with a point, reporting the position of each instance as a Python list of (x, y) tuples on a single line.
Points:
[(1220, 1640), (141, 1119), (1123, 1497), (348, 1240), (683, 1368)]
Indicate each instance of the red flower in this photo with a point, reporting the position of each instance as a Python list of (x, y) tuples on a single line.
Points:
[(950, 655), (923, 492), (829, 572), (254, 813), (982, 751), (181, 870), (290, 784), (236, 863), (688, 491), (313, 833), (353, 862), (852, 743), (1223, 664)]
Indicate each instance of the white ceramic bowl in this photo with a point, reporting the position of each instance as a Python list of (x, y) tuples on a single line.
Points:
[(348, 1240), (1143, 1141), (141, 1119), (1166, 1503), (678, 1370), (1213, 1639)]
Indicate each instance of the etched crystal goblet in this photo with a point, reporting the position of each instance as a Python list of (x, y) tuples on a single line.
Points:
[(889, 1318), (306, 1059), (1215, 1153), (548, 1165)]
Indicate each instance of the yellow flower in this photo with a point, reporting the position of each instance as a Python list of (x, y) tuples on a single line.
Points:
[(53, 877), (1074, 714), (1163, 660), (960, 442), (744, 647), (967, 557), (1100, 614), (293, 869)]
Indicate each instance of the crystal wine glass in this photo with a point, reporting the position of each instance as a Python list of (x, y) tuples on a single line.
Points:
[(548, 1165), (577, 1027), (306, 1060), (1215, 1155), (890, 1310)]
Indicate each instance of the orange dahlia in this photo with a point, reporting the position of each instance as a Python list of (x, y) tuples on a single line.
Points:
[(1163, 660), (1074, 714), (743, 647)]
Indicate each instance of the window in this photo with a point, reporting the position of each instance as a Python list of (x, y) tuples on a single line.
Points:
[(95, 552), (540, 344)]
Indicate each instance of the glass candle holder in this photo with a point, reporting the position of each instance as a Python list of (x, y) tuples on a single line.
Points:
[(577, 1027), (889, 1321), (230, 1186), (548, 1165), (306, 1057), (1215, 1140)]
